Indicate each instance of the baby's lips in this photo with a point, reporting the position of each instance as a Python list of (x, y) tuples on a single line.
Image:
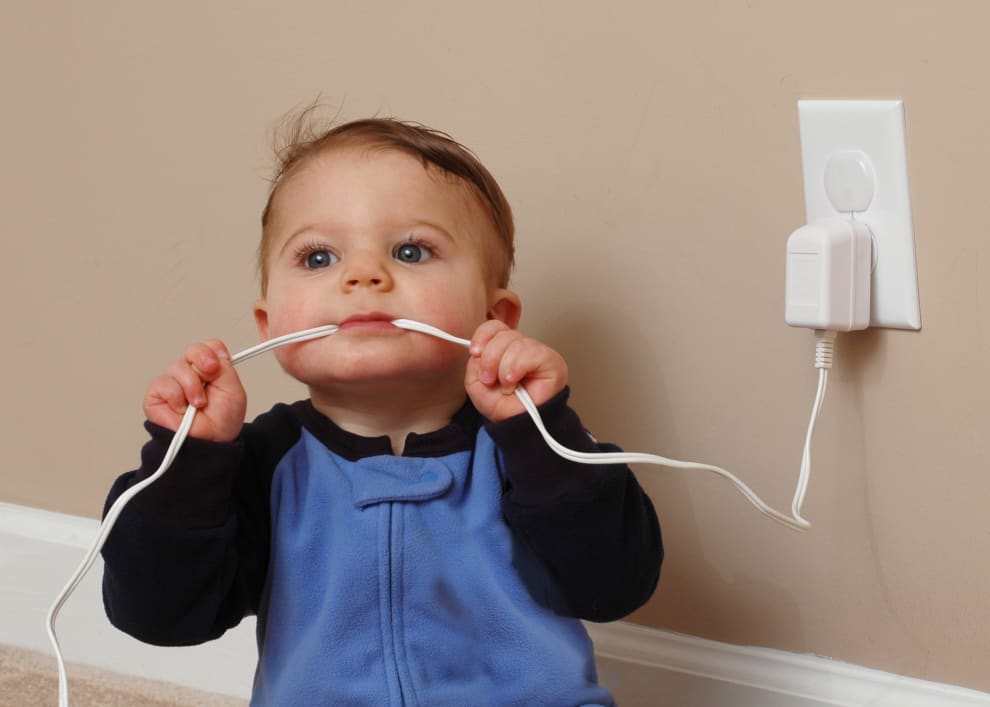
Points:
[(369, 320)]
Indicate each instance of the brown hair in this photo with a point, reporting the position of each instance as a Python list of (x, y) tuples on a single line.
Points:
[(301, 139)]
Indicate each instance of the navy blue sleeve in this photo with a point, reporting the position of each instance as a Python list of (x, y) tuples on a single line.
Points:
[(592, 525), (188, 555)]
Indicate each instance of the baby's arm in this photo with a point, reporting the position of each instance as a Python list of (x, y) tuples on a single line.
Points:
[(203, 377), (177, 570), (593, 526), (503, 358)]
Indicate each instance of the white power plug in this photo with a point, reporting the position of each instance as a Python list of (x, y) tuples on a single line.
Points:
[(829, 267)]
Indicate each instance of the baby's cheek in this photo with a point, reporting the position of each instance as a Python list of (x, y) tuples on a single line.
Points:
[(306, 362), (288, 359), (291, 320), (462, 323)]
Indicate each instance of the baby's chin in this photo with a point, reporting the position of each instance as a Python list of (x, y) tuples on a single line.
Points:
[(406, 367)]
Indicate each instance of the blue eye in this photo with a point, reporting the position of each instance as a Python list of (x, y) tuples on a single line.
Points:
[(320, 259), (412, 253)]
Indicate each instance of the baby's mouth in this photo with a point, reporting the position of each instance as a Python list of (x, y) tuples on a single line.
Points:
[(373, 320)]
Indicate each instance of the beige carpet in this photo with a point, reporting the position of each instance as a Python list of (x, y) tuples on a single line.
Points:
[(29, 679)]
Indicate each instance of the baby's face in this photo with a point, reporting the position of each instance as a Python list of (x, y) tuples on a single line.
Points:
[(360, 237)]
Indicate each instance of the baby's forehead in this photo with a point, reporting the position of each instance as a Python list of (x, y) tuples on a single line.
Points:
[(360, 168), (344, 193), (355, 152)]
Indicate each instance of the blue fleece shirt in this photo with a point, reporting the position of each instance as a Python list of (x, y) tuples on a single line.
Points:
[(427, 579)]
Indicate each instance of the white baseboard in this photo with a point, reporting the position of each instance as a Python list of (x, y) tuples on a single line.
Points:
[(40, 549), (768, 673)]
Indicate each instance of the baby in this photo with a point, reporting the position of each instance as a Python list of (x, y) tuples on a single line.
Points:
[(404, 535)]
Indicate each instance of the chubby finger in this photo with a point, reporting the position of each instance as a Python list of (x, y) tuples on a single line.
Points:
[(164, 392), (485, 333), (491, 358), (189, 380), (521, 357), (225, 378), (205, 357), (219, 349)]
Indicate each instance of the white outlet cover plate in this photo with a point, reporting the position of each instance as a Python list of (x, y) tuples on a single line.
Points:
[(876, 128)]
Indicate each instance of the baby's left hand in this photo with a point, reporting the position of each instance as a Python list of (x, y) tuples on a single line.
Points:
[(503, 358)]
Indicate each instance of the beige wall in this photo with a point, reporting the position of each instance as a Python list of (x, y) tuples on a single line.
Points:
[(651, 153)]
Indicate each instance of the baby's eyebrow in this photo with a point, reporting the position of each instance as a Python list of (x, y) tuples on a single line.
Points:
[(296, 233), (434, 227)]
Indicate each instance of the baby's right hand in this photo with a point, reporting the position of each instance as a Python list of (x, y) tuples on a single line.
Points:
[(205, 378)]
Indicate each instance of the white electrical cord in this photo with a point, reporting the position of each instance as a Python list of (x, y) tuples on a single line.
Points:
[(824, 351), (796, 522)]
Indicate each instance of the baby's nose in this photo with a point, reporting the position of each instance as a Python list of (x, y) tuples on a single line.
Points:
[(366, 270)]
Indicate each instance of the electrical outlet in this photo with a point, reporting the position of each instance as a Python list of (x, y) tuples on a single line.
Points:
[(874, 129)]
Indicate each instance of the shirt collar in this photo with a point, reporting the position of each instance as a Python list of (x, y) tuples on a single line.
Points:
[(457, 436)]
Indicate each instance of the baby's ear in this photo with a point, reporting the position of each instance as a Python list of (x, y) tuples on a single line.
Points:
[(261, 318), (506, 307)]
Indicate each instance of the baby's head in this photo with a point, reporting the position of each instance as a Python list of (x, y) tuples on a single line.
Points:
[(373, 221), (304, 141)]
